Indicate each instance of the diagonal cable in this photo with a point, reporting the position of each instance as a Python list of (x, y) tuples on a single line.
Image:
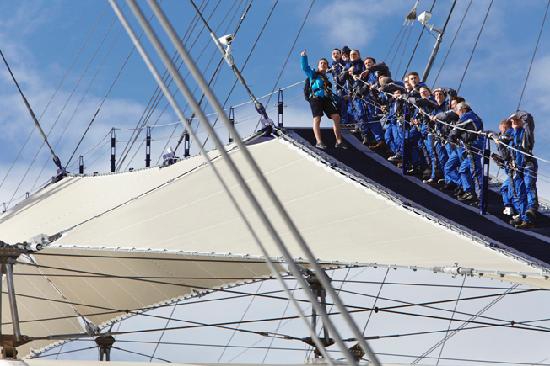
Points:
[(182, 86), (451, 321), (417, 43), (251, 197), (463, 325), (452, 43), (475, 46), (534, 55), (56, 160)]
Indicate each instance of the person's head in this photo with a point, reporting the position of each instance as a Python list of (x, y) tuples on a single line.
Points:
[(346, 50), (397, 93), (504, 125), (413, 78), (517, 123), (455, 101), (354, 55), (369, 61), (345, 57), (425, 92), (323, 65), (439, 95), (408, 85), (384, 80), (462, 108), (336, 54)]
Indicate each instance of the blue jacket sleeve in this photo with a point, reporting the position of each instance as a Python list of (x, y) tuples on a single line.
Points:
[(305, 67)]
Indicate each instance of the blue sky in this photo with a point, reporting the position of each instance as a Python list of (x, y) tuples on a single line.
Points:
[(80, 47)]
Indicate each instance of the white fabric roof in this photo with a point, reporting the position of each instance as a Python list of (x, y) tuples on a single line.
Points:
[(177, 223), (340, 220)]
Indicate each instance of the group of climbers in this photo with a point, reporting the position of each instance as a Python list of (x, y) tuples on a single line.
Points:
[(433, 134)]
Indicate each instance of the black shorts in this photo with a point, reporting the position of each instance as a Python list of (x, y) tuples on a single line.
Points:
[(320, 105)]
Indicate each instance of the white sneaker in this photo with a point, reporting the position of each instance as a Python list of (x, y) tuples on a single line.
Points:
[(515, 217), (508, 211)]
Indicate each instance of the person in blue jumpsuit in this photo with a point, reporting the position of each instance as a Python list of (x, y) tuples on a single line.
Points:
[(519, 137), (435, 142), (338, 70), (366, 105), (503, 160), (450, 171), (394, 127), (425, 105), (531, 166), (470, 169), (321, 100)]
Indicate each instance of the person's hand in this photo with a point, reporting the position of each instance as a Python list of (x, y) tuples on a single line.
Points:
[(303, 53), (494, 137)]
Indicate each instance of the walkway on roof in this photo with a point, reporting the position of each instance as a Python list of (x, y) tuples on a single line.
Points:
[(493, 227)]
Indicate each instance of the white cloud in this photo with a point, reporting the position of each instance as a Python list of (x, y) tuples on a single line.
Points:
[(354, 22)]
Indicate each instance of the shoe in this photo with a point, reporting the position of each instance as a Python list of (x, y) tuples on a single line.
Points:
[(515, 217), (341, 145), (441, 181), (431, 182), (531, 213), (467, 197), (321, 146), (427, 173), (380, 145), (366, 141), (394, 158), (508, 211), (449, 187), (413, 171), (515, 221), (458, 191), (525, 225)]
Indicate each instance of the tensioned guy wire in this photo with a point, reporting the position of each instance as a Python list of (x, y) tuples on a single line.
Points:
[(176, 107), (320, 274)]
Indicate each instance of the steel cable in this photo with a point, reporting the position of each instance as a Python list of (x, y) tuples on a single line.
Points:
[(475, 46), (533, 56), (452, 43), (417, 43)]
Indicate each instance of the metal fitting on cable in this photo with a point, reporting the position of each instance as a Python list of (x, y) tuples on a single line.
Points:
[(260, 109)]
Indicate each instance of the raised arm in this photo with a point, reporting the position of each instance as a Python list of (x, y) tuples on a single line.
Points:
[(304, 64)]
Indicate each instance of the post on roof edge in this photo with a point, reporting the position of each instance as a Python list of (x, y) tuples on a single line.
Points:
[(81, 164), (10, 342), (280, 108), (232, 121), (105, 344), (148, 147), (321, 294), (113, 150)]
